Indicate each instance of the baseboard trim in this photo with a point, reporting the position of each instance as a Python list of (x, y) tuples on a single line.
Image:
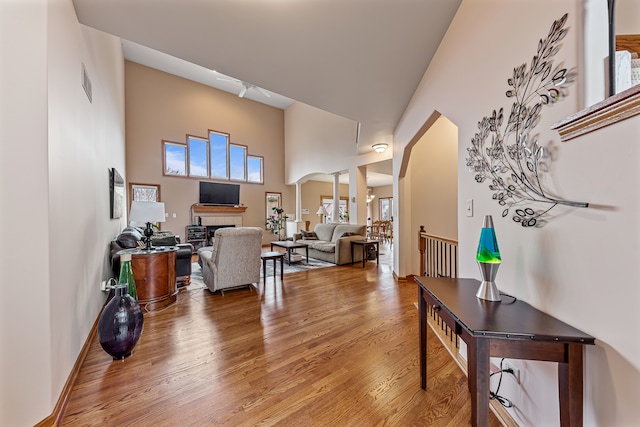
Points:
[(55, 418), (399, 278)]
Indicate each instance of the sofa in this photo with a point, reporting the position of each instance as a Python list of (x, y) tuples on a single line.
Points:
[(332, 242), (234, 259), (131, 237)]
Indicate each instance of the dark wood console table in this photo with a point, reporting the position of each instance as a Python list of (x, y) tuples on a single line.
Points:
[(154, 272), (502, 329)]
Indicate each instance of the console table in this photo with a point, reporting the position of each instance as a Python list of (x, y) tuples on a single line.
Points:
[(154, 272), (502, 329)]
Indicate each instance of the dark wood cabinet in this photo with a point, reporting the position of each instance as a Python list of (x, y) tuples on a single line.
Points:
[(154, 272)]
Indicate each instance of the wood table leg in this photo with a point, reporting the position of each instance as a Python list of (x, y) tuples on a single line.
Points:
[(570, 386), (264, 270), (422, 326), (478, 360), (281, 267)]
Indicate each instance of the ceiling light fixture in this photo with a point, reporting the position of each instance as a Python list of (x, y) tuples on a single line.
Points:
[(379, 148)]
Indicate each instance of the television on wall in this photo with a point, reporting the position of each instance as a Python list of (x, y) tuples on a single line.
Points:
[(219, 194)]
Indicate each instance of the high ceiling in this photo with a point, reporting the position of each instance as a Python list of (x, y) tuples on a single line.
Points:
[(360, 59)]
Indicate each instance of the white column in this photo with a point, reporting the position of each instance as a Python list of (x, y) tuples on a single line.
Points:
[(358, 195), (298, 201), (335, 216)]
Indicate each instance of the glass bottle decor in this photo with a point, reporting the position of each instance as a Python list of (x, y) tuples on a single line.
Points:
[(120, 325), (126, 275)]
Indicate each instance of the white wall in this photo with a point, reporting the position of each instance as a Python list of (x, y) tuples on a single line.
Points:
[(581, 267), (25, 335), (56, 178)]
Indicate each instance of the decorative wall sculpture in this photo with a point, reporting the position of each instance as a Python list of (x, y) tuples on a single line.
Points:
[(508, 155)]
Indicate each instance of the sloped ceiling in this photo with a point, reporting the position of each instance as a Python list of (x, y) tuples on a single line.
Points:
[(360, 59)]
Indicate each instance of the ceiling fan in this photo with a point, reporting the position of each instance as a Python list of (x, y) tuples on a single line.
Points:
[(245, 86)]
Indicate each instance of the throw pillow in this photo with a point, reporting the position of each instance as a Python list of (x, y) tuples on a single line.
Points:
[(348, 233), (308, 235), (128, 240)]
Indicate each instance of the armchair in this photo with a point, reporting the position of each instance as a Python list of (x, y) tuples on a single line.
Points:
[(234, 259)]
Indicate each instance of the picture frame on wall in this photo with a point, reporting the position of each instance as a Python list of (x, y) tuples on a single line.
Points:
[(116, 194)]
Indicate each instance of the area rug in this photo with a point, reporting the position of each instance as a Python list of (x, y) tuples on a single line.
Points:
[(197, 282)]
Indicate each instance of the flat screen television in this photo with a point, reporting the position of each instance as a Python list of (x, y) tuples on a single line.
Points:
[(217, 193)]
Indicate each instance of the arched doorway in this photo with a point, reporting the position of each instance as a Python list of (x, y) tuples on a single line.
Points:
[(429, 181)]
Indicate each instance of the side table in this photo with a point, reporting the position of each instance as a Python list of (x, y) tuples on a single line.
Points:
[(365, 244), (155, 274), (274, 255)]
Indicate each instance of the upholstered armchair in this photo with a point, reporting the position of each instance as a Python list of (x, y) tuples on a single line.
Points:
[(234, 259)]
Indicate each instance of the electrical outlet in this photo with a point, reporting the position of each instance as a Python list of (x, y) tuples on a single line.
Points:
[(516, 372), (103, 285)]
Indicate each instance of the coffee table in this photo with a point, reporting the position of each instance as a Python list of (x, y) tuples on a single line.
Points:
[(289, 246)]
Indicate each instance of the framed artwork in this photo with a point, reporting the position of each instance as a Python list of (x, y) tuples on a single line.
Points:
[(144, 192), (116, 194)]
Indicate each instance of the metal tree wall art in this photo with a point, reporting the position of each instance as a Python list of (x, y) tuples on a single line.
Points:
[(507, 155)]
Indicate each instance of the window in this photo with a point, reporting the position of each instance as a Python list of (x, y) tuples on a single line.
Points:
[(254, 169), (198, 165), (386, 208), (213, 157), (343, 208), (175, 158), (237, 162), (219, 146)]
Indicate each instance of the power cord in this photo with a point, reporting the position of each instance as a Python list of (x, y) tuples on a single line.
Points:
[(495, 396), (510, 296)]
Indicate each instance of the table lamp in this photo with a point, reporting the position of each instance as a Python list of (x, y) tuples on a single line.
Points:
[(488, 258), (322, 211), (147, 212)]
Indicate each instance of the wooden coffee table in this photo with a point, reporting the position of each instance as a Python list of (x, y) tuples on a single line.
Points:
[(289, 246)]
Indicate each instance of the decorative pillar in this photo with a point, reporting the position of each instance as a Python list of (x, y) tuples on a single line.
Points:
[(299, 201), (335, 215)]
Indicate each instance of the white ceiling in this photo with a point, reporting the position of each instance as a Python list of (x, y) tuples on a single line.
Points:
[(359, 59)]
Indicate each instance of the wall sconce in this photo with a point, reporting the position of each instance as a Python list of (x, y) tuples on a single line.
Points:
[(379, 148)]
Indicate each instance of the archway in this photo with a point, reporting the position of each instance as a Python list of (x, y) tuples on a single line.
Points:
[(428, 187)]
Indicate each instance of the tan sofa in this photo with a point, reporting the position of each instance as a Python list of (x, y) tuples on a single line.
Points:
[(333, 242), (233, 260)]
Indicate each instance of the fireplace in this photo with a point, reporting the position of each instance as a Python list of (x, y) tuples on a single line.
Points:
[(211, 229)]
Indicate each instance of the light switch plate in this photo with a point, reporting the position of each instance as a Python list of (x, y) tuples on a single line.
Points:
[(469, 207)]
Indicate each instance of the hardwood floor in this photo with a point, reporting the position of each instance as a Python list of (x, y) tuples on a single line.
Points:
[(330, 347)]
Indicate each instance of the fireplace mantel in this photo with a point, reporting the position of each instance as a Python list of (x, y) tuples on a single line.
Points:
[(200, 209)]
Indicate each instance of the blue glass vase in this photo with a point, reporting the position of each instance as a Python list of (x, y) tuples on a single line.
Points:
[(120, 325)]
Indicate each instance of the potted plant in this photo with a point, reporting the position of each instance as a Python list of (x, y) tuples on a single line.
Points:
[(276, 221)]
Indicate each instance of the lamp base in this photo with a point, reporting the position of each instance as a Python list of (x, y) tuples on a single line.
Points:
[(488, 289), (148, 232)]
